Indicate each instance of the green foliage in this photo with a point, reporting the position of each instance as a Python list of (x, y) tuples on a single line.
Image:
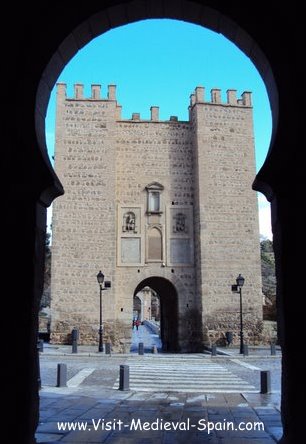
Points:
[(266, 246), (268, 267), (268, 275), (47, 244), (268, 259), (46, 296)]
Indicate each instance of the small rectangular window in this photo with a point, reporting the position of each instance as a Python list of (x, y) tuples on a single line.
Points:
[(154, 191), (154, 202)]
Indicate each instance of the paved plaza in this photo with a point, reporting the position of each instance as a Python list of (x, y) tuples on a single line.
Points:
[(172, 398)]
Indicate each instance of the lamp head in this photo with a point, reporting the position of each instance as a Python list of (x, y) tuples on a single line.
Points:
[(240, 280), (100, 277)]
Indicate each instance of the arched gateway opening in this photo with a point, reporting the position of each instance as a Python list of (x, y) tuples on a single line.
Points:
[(168, 310)]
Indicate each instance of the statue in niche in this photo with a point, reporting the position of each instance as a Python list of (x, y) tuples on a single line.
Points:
[(180, 223), (129, 222)]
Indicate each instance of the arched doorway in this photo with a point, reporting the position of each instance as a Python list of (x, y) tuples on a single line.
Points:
[(146, 305), (168, 310)]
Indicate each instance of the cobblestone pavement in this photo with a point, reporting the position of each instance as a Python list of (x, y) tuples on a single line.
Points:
[(91, 402)]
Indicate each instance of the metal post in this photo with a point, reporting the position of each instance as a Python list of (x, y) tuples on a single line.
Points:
[(100, 328), (154, 349), (40, 345), (38, 371), (214, 350), (39, 349), (61, 375), (140, 348), (273, 350), (108, 347), (124, 377), (245, 350), (241, 323), (74, 336), (265, 381)]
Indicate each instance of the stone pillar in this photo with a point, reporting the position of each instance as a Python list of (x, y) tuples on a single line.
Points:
[(199, 94), (231, 96), (111, 95), (216, 95), (154, 113), (78, 91), (247, 98), (96, 92), (135, 116)]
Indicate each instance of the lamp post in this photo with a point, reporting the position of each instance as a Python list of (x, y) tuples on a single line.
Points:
[(107, 284), (238, 289)]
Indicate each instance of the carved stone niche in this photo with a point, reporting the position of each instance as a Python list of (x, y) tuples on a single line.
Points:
[(180, 223), (129, 222)]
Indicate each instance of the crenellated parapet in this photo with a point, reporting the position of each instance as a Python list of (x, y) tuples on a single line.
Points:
[(79, 92), (198, 96)]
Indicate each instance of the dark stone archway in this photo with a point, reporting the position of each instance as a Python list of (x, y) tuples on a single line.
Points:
[(37, 43), (168, 310)]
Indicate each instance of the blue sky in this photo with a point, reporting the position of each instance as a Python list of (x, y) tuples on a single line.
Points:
[(160, 62)]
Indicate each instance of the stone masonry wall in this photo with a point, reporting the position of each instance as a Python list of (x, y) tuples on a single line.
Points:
[(149, 151), (205, 167), (84, 233), (226, 221)]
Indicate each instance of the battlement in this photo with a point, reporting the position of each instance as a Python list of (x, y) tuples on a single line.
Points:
[(198, 96), (111, 96), (79, 92)]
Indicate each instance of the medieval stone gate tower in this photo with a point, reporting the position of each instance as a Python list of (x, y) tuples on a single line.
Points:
[(164, 204)]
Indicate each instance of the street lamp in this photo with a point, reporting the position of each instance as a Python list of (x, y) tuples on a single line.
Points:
[(237, 289), (107, 284)]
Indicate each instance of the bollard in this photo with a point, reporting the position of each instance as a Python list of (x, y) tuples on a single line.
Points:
[(39, 349), (74, 347), (75, 337), (265, 381), (108, 348), (273, 350), (38, 372), (229, 337), (124, 377), (154, 349), (61, 375), (214, 350), (40, 345), (245, 350), (140, 348)]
